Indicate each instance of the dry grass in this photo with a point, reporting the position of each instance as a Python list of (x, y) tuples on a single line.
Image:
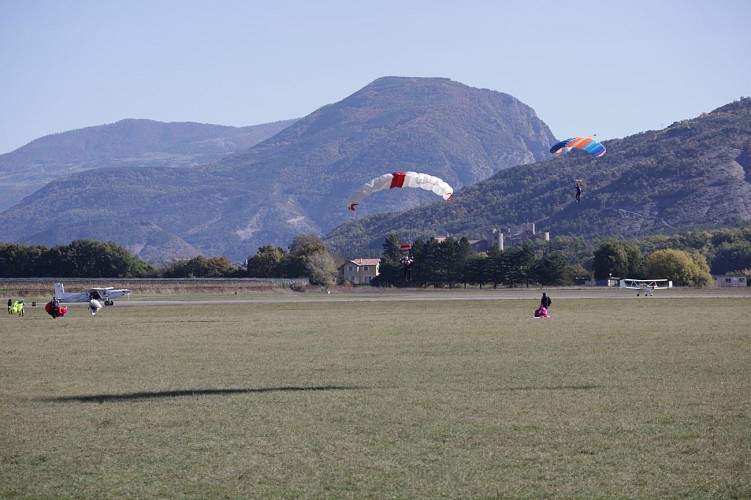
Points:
[(41, 288), (609, 398)]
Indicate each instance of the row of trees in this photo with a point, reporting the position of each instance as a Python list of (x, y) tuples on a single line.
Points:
[(624, 259), (727, 250), (452, 262), (307, 256), (80, 259), (683, 258)]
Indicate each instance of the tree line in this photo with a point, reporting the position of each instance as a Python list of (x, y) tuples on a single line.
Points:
[(452, 262), (687, 259), (79, 259), (307, 256)]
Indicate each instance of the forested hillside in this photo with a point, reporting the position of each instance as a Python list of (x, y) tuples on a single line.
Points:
[(694, 174)]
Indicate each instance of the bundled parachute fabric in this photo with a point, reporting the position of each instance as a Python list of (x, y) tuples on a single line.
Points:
[(402, 180), (587, 144), (94, 306), (17, 308), (55, 310)]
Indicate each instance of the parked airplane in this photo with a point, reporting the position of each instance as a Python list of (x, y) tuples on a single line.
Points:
[(646, 286), (102, 294)]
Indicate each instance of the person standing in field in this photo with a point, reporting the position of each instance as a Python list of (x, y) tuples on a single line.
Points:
[(545, 301)]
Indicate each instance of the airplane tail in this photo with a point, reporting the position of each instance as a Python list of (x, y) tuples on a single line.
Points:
[(59, 290)]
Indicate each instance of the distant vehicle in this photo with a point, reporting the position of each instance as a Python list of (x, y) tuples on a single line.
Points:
[(647, 287), (104, 295)]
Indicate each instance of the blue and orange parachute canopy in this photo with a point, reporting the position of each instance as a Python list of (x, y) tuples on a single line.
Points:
[(587, 144)]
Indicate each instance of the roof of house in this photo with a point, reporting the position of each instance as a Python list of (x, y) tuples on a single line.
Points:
[(365, 262)]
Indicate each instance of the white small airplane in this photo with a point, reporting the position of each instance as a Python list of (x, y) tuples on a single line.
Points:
[(646, 286), (101, 294)]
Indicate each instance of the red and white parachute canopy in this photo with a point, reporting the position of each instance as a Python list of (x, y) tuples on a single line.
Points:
[(400, 180)]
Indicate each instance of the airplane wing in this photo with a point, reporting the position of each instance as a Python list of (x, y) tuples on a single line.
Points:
[(630, 284), (106, 294), (657, 284)]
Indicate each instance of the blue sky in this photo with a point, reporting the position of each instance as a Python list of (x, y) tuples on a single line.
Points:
[(611, 68)]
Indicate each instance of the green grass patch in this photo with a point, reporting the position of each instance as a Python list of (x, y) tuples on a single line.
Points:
[(433, 398)]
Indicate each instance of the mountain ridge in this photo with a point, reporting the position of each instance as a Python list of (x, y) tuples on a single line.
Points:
[(492, 148), (693, 174), (298, 180), (128, 142)]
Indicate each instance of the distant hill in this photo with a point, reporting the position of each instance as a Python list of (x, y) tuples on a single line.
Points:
[(695, 174), (132, 143), (298, 180)]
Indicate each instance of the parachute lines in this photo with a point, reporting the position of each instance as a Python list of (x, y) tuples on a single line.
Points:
[(401, 180)]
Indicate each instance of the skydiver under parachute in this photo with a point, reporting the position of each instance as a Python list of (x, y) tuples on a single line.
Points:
[(587, 144), (401, 180), (407, 262)]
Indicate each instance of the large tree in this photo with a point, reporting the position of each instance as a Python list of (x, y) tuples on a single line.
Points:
[(321, 268), (682, 268), (266, 263), (201, 267), (618, 258), (732, 257), (554, 271), (308, 256)]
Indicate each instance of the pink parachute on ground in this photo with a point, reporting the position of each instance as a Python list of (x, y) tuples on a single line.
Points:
[(401, 180), (542, 312)]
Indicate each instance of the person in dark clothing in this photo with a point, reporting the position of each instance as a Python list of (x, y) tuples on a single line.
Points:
[(545, 301), (10, 303), (578, 192)]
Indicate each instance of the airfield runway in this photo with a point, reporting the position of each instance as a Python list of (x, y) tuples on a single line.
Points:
[(433, 295)]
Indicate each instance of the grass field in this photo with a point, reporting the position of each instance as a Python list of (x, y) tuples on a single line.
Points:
[(612, 397)]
